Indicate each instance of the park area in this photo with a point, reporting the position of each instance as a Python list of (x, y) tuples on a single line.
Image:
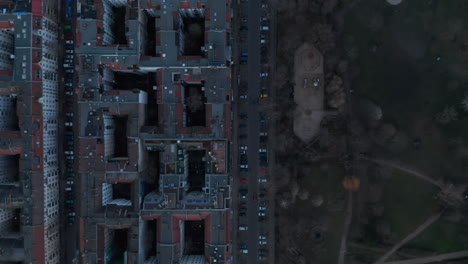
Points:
[(400, 133), (410, 60)]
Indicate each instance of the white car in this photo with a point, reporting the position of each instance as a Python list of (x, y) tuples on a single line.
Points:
[(243, 227), (245, 251), (264, 74), (243, 147), (264, 19), (262, 242), (68, 152), (261, 208), (72, 214), (262, 237), (69, 114), (69, 124), (69, 93), (262, 180), (243, 97), (69, 42), (70, 182), (263, 41), (263, 134), (262, 150), (68, 56), (244, 166), (261, 214)]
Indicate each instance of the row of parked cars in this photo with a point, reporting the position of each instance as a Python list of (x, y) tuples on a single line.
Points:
[(259, 196), (68, 84)]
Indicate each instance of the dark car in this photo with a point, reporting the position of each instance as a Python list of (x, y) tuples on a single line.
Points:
[(242, 136), (243, 116), (243, 159), (242, 126), (242, 214), (243, 28)]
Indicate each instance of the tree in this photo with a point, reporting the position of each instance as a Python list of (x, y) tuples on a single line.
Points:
[(447, 115)]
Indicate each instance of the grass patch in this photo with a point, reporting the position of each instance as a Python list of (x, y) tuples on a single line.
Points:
[(408, 203), (327, 182), (443, 237)]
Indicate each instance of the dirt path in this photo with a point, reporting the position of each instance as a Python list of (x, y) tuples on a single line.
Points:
[(344, 235), (378, 250), (432, 219), (404, 168), (442, 257)]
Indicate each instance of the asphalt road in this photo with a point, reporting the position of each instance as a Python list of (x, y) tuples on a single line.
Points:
[(250, 75)]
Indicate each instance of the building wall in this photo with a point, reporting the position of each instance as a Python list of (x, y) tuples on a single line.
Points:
[(7, 170), (5, 216), (108, 136), (106, 193), (49, 68), (7, 48), (8, 117)]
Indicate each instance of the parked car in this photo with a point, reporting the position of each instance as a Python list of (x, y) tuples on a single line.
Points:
[(243, 193), (261, 214), (242, 136), (70, 70), (264, 74), (262, 180), (244, 166), (70, 182), (70, 124), (262, 242), (262, 237), (264, 28), (243, 227), (254, 196), (69, 42), (262, 208), (243, 147), (71, 214), (262, 150), (243, 96), (243, 180), (68, 152), (69, 51), (242, 126)]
